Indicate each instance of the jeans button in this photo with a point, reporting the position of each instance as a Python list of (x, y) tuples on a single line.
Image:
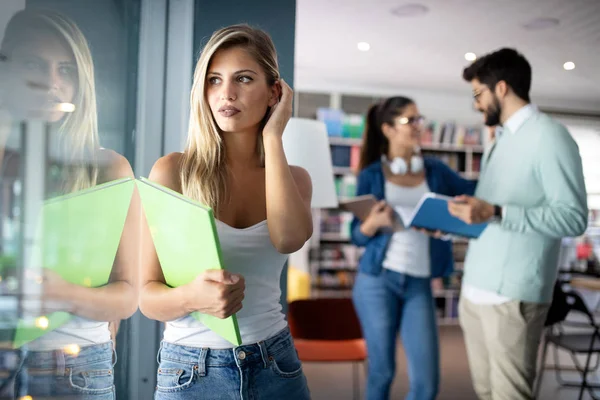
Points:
[(242, 355)]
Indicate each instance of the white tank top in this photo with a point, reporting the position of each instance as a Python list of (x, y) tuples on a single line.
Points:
[(408, 250), (78, 331), (248, 252)]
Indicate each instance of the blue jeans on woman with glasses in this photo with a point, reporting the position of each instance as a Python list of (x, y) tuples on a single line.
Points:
[(392, 303)]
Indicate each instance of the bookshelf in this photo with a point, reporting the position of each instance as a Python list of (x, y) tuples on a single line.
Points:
[(333, 258)]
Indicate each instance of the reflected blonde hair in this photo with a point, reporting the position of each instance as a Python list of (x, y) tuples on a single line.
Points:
[(78, 131), (203, 166)]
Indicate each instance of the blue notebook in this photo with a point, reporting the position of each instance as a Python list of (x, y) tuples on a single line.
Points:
[(432, 214)]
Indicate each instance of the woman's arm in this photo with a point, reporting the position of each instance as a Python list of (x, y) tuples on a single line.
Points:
[(380, 216), (456, 183), (215, 292), (118, 299), (288, 188)]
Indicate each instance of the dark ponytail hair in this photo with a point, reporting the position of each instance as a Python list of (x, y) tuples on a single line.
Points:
[(374, 141)]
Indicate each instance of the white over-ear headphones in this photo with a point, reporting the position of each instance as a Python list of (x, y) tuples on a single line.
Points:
[(399, 167)]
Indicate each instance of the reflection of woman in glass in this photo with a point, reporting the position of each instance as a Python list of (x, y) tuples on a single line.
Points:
[(50, 77)]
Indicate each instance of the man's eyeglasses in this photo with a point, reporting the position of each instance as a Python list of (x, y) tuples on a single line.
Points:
[(477, 93), (414, 121)]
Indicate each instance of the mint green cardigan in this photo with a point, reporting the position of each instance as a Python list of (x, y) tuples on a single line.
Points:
[(535, 174)]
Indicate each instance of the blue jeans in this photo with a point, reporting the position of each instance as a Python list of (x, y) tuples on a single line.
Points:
[(265, 370), (87, 374), (390, 303)]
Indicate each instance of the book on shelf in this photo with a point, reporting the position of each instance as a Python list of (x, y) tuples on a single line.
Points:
[(333, 120), (448, 134), (345, 186), (451, 160), (341, 124), (353, 125), (476, 166), (354, 158), (473, 137), (340, 155)]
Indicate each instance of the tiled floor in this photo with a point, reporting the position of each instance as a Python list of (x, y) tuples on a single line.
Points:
[(334, 381)]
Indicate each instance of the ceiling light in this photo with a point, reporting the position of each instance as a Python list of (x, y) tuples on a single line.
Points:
[(410, 10), (539, 24), (470, 57), (569, 65), (363, 46)]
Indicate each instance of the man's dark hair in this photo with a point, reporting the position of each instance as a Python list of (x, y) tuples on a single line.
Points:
[(502, 65)]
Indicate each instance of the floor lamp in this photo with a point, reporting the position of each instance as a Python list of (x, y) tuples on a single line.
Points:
[(306, 144)]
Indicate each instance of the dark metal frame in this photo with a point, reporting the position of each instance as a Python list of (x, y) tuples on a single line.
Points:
[(577, 304)]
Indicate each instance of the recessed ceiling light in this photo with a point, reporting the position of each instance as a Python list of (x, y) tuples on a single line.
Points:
[(363, 46), (569, 65), (470, 57), (410, 10), (539, 24)]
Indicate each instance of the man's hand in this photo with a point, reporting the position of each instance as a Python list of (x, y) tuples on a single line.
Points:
[(471, 209)]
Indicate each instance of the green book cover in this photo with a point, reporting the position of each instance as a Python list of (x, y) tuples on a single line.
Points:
[(77, 237), (185, 236)]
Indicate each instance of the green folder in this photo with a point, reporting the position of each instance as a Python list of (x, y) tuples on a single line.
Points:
[(185, 236), (78, 237)]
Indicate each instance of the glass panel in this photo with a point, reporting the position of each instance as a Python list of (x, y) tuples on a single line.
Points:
[(68, 227)]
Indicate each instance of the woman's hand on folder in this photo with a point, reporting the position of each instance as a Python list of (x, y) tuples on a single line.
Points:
[(216, 292), (380, 216), (471, 209)]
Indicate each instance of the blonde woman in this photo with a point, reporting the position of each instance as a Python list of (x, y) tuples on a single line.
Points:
[(233, 162), (50, 77)]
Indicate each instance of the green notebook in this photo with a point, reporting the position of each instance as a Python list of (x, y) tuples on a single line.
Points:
[(78, 237), (186, 241)]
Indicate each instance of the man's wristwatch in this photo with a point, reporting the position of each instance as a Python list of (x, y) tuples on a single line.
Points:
[(497, 213)]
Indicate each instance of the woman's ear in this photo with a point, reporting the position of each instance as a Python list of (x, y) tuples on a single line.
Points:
[(275, 94), (387, 129)]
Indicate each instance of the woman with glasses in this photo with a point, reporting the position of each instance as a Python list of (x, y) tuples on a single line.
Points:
[(392, 293)]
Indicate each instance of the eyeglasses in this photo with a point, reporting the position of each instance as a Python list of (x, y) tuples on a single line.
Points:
[(414, 121), (477, 93)]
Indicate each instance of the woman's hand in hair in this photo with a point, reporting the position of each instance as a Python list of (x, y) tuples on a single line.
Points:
[(380, 216), (215, 292), (281, 112)]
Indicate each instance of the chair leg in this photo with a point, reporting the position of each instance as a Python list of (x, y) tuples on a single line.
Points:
[(540, 374), (557, 368), (584, 384), (356, 379)]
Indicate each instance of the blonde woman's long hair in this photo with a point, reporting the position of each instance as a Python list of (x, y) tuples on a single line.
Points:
[(78, 131), (203, 166)]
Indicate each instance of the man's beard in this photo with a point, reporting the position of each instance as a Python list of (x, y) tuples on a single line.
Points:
[(492, 114)]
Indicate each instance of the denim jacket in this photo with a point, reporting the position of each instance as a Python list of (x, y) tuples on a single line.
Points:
[(440, 179)]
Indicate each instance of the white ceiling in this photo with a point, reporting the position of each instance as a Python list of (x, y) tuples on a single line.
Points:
[(427, 52)]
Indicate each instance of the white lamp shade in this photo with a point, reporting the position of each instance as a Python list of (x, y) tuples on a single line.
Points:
[(306, 145)]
